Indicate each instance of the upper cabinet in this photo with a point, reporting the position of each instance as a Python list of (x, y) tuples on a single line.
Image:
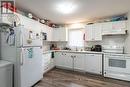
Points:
[(93, 32), (111, 28), (55, 34), (29, 23), (49, 31), (59, 34)]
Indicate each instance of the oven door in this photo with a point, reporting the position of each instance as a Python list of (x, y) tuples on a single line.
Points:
[(117, 66), (117, 63)]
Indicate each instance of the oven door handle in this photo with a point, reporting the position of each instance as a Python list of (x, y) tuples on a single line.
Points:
[(116, 56)]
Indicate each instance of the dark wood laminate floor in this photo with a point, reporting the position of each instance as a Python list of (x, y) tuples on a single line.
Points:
[(64, 78)]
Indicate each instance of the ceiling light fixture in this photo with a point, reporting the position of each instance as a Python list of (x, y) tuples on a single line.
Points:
[(66, 7)]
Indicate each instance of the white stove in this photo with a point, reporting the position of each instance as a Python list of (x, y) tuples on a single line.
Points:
[(113, 49), (116, 63)]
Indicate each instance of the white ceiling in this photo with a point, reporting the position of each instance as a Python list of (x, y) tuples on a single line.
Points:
[(86, 10)]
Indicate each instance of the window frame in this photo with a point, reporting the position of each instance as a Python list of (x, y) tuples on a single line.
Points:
[(82, 37)]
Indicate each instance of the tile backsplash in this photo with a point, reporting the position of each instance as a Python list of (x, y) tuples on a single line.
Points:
[(46, 45), (117, 40)]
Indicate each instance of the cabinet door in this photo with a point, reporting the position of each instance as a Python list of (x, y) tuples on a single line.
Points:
[(59, 34), (106, 28), (93, 63), (93, 32), (89, 33), (63, 60), (97, 32), (6, 78), (79, 62), (49, 33), (55, 34), (62, 34), (118, 27), (67, 60), (58, 59)]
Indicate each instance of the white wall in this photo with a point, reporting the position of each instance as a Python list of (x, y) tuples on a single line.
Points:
[(127, 41)]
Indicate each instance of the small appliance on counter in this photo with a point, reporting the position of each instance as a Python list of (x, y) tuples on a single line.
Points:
[(66, 48), (54, 47), (97, 48)]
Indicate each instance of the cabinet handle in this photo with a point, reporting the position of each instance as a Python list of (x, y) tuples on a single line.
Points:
[(21, 56), (84, 36)]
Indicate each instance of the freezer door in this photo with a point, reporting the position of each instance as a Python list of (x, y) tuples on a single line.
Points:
[(31, 66), (28, 37)]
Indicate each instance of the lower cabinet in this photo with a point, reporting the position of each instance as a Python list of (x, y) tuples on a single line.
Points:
[(63, 60), (6, 74), (70, 60), (79, 61), (93, 63), (48, 62)]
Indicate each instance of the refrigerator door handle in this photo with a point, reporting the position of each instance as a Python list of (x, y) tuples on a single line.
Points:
[(21, 39), (22, 57)]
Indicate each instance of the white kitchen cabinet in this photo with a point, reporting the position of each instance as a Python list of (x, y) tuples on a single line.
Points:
[(29, 23), (97, 32), (71, 61), (48, 62), (93, 63), (49, 33), (89, 33), (64, 60), (93, 32), (59, 34), (48, 30), (6, 74), (106, 28), (58, 59), (79, 61), (117, 27), (4, 19), (26, 22)]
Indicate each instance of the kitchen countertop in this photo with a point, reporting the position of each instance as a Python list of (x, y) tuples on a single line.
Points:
[(48, 51), (71, 51)]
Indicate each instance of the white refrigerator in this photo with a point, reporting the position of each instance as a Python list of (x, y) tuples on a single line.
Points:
[(23, 47)]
